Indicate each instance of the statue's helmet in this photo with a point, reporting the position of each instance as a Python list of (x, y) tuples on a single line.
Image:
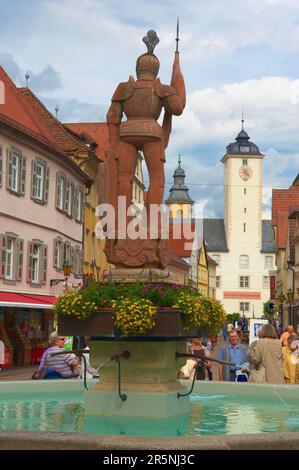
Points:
[(147, 65)]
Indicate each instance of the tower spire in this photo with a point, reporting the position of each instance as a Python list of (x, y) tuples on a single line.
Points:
[(179, 161), (56, 110), (242, 121), (27, 76)]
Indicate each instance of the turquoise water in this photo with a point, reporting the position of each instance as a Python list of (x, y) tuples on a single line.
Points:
[(209, 415)]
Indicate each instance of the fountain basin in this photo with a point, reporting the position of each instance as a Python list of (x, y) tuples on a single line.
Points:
[(52, 413)]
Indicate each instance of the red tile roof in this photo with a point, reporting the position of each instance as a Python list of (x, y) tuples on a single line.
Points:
[(16, 108), (97, 131), (282, 201), (66, 140)]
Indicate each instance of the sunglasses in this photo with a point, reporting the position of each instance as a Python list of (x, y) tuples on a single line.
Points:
[(61, 339)]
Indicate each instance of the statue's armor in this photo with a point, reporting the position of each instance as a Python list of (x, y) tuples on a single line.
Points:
[(141, 102)]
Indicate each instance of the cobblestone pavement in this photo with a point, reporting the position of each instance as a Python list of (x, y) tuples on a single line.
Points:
[(17, 373)]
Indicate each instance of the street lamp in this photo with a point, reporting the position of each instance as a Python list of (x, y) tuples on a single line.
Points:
[(67, 269), (290, 296)]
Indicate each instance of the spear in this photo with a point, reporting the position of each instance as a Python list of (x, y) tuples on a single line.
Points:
[(177, 35)]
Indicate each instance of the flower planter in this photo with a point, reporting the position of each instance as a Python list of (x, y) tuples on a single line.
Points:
[(169, 325)]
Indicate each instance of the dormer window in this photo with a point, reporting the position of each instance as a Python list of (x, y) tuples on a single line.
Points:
[(244, 148)]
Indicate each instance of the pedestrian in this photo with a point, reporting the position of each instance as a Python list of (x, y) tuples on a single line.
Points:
[(2, 352), (64, 365), (225, 331), (268, 354), (232, 352), (288, 368)]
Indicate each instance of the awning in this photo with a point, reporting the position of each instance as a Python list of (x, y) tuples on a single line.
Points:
[(14, 299)]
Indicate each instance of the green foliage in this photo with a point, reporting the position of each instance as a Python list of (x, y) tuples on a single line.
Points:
[(233, 317), (136, 304)]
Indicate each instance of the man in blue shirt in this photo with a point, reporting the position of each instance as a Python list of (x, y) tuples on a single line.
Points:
[(231, 352)]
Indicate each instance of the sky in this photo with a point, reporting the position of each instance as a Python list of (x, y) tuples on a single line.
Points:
[(236, 56)]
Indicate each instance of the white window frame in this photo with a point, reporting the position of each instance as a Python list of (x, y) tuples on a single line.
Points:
[(15, 172), (244, 280), (245, 162), (9, 259), (61, 188), (267, 265), (242, 264), (40, 180), (79, 205), (36, 264)]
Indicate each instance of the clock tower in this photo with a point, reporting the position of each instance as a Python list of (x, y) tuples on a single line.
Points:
[(243, 193)]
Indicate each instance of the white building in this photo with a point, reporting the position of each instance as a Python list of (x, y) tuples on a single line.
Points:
[(242, 243)]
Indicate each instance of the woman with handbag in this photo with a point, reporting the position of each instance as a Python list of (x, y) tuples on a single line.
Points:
[(267, 358)]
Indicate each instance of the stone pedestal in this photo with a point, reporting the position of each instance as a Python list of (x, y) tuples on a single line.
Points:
[(148, 378)]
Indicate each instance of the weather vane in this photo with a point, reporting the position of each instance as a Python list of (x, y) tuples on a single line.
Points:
[(27, 76)]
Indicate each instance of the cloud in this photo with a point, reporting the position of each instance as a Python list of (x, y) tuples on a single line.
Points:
[(46, 80)]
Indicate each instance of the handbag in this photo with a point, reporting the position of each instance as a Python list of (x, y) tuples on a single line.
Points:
[(258, 376)]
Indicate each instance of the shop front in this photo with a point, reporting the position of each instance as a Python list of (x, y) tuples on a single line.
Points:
[(26, 320)]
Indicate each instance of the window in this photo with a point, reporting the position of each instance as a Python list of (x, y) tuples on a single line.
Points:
[(245, 210), (244, 227), (218, 281), (16, 172), (39, 181), (266, 282), (245, 162), (244, 307), (244, 261), (268, 262), (244, 190), (60, 191), (79, 205), (37, 260), (35, 264), (58, 253), (9, 259), (244, 281), (69, 192), (179, 214), (217, 258)]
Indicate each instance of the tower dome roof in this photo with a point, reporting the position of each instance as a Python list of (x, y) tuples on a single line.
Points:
[(242, 145), (179, 192)]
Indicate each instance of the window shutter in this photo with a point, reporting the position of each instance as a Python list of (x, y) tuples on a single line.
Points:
[(55, 252), (20, 255), (82, 207), (58, 176), (8, 169), (72, 257), (1, 165), (46, 186), (22, 175), (66, 196), (33, 179), (44, 263), (3, 241), (80, 262), (29, 261), (75, 202)]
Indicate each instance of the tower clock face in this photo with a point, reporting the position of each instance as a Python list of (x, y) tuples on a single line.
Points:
[(245, 172)]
